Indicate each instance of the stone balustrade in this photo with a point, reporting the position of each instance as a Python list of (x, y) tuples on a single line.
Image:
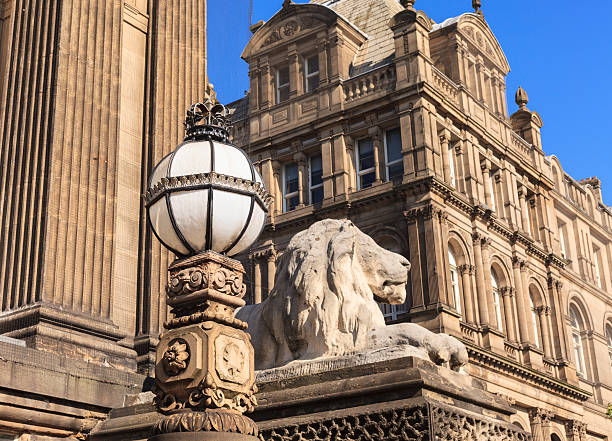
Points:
[(369, 83), (445, 85)]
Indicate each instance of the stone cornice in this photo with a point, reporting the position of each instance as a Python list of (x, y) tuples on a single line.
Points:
[(484, 358)]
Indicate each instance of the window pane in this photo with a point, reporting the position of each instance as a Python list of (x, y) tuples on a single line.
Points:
[(394, 145), (312, 83), (283, 94), (291, 178), (367, 180), (312, 65), (292, 203), (316, 170), (366, 154), (316, 195), (283, 76), (396, 171)]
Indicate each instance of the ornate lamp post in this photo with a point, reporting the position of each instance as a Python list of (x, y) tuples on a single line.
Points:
[(205, 202)]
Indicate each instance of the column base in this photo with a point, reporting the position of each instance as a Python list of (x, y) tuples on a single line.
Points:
[(203, 436), (209, 424)]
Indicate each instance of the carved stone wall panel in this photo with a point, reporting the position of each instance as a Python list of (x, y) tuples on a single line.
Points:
[(430, 422)]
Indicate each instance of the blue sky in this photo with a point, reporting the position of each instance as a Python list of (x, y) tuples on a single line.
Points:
[(559, 52)]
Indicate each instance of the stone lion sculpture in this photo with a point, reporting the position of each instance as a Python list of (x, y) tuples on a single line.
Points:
[(323, 303)]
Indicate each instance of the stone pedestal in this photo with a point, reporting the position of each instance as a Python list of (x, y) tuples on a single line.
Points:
[(364, 396), (205, 376)]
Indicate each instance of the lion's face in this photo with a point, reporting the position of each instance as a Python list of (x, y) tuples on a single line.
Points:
[(386, 272)]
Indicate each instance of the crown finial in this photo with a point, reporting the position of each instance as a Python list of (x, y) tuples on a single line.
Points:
[(408, 4), (521, 98), (208, 119), (287, 3), (477, 4)]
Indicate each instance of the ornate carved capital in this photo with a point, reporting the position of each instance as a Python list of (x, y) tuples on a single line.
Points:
[(507, 291), (469, 269), (517, 262), (575, 428), (541, 416)]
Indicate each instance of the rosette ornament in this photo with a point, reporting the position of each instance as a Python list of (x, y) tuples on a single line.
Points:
[(206, 194)]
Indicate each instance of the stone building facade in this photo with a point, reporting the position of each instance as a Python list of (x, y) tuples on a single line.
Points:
[(368, 110), (93, 94)]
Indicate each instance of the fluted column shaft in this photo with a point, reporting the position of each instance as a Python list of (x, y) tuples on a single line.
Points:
[(520, 301), (481, 289)]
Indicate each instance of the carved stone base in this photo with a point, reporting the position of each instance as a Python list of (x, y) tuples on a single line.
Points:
[(203, 436), (207, 421)]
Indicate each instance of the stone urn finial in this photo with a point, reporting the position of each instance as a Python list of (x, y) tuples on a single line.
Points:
[(477, 4), (521, 98), (408, 4)]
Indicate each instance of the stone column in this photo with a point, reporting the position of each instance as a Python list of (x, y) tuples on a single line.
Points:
[(526, 304), (486, 176), (481, 289), (257, 283), (508, 294), (295, 85), (544, 314), (267, 91), (466, 284), (520, 300), (444, 140), (300, 159), (271, 259), (486, 266), (524, 210), (377, 144), (276, 188), (540, 423)]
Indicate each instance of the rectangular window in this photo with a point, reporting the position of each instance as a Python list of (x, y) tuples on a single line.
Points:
[(562, 241), (291, 198), (365, 164), (492, 191), (393, 154), (315, 177), (312, 73), (596, 268), (282, 85), (451, 163)]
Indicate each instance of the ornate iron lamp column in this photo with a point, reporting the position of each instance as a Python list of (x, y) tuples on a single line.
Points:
[(206, 202)]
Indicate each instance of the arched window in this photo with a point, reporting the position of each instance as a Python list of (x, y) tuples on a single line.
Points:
[(497, 302), (609, 340), (454, 279), (534, 321), (577, 328), (554, 437)]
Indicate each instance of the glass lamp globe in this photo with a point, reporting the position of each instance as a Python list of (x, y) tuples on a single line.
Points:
[(206, 194)]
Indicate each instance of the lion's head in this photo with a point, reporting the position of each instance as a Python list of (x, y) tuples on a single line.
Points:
[(327, 281)]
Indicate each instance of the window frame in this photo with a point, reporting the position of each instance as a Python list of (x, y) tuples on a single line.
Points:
[(578, 347), (535, 322), (279, 85), (454, 279), (597, 269), (497, 302), (358, 172), (317, 186), (562, 240), (310, 75), (451, 164), (396, 161), (288, 196)]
